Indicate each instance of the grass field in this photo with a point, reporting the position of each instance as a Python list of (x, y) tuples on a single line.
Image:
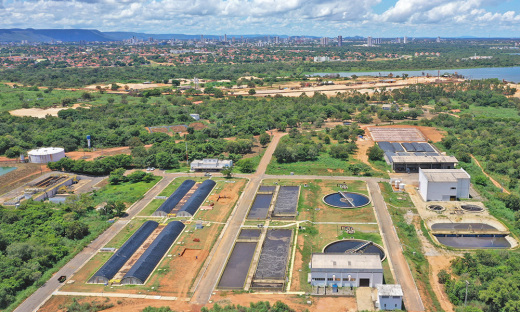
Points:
[(401, 200), (488, 111), (126, 192), (324, 165), (151, 207), (125, 233), (22, 97)]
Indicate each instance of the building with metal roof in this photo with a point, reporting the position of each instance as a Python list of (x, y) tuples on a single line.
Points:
[(412, 163), (389, 297), (211, 164), (141, 270), (174, 199), (443, 184), (345, 270), (116, 262), (197, 198)]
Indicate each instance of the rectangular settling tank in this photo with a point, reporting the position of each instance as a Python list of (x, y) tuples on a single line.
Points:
[(274, 256), (286, 201), (237, 267), (260, 206)]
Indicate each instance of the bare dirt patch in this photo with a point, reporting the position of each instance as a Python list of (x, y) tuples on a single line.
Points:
[(59, 303), (42, 112), (197, 125), (438, 263), (100, 152), (361, 153), (296, 303)]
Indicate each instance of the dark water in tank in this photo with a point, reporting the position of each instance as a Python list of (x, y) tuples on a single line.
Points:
[(336, 200), (474, 242), (344, 245), (260, 206)]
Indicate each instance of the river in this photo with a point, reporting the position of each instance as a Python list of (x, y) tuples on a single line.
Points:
[(507, 73)]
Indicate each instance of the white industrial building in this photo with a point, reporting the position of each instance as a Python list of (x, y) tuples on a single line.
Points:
[(443, 184), (46, 154), (389, 297), (210, 164), (345, 270)]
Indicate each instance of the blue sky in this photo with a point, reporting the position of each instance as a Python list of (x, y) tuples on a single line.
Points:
[(376, 18)]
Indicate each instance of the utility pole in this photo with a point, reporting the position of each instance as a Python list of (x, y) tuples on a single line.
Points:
[(186, 141), (466, 297)]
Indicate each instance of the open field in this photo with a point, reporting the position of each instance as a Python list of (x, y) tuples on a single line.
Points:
[(325, 165), (41, 113), (127, 192), (487, 111), (298, 303)]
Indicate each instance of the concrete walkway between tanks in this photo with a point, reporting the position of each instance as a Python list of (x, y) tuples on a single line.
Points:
[(113, 295)]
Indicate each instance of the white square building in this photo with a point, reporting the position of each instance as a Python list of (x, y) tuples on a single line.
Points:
[(443, 184), (389, 297)]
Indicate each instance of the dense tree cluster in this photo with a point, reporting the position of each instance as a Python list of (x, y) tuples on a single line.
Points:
[(492, 278), (36, 236)]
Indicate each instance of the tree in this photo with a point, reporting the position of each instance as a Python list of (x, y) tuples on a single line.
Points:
[(114, 87), (264, 139), (165, 160), (481, 180), (339, 151), (227, 172), (117, 176), (246, 165), (76, 230), (252, 92), (375, 153)]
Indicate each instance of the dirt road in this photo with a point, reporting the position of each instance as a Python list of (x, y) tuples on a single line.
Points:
[(39, 297), (495, 182), (223, 246)]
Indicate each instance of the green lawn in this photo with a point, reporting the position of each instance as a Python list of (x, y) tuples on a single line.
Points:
[(324, 165), (127, 192), (488, 111), (401, 200), (151, 207)]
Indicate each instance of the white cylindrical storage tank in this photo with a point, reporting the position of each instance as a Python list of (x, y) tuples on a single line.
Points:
[(397, 183), (401, 186), (46, 154)]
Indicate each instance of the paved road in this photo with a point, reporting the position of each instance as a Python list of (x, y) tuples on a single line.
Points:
[(39, 297), (230, 232), (403, 275)]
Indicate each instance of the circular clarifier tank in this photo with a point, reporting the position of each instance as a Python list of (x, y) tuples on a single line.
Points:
[(471, 208), (355, 246), (436, 208), (346, 200)]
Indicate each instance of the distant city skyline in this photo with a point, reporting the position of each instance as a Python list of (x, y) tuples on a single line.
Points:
[(376, 18)]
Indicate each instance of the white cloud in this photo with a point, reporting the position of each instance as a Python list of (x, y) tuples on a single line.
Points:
[(294, 17)]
